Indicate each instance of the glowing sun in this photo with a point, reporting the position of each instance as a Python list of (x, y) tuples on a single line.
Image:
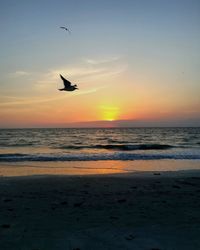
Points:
[(109, 113)]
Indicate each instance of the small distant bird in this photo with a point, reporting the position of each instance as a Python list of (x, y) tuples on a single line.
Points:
[(64, 28), (68, 85)]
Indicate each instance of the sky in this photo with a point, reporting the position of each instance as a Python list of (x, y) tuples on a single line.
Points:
[(134, 61)]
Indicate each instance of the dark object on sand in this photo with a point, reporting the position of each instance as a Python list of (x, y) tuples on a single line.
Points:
[(63, 203), (5, 226), (156, 173), (78, 204), (130, 237), (121, 200)]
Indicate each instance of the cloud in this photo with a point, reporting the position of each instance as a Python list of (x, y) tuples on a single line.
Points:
[(17, 101), (89, 70), (49, 82), (87, 76), (90, 90), (102, 60), (12, 101), (70, 72), (19, 73)]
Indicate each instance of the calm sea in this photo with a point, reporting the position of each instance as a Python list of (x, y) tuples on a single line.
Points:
[(42, 145)]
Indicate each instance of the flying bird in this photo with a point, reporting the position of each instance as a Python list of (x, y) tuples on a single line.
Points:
[(64, 28), (67, 85)]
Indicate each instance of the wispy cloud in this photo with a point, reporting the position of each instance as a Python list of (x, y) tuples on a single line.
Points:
[(19, 73), (104, 60), (48, 83), (90, 90), (70, 72), (86, 75), (12, 101), (90, 70), (17, 101)]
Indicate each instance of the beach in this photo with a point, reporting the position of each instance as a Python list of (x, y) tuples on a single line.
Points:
[(100, 189), (152, 210)]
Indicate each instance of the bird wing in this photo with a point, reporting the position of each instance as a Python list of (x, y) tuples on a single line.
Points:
[(66, 82)]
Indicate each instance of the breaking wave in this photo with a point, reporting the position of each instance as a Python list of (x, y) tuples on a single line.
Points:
[(124, 147), (94, 157)]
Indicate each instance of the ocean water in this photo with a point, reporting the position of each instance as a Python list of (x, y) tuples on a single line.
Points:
[(99, 144)]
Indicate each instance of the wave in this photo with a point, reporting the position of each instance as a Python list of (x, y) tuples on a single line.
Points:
[(5, 144), (94, 157), (135, 146), (123, 147)]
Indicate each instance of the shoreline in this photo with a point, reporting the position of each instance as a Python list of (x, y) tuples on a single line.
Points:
[(141, 211), (76, 168), (134, 174)]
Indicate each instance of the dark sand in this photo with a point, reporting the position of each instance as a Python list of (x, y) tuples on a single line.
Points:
[(150, 211)]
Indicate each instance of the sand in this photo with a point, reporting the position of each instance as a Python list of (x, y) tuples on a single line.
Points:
[(150, 211)]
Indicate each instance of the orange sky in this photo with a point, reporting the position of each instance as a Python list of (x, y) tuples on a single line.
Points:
[(137, 61)]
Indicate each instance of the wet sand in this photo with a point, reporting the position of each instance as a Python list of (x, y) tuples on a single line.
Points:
[(150, 211)]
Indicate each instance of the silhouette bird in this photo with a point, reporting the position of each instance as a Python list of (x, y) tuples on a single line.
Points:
[(64, 28), (67, 85)]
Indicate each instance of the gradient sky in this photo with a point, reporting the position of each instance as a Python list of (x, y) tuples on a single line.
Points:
[(136, 60)]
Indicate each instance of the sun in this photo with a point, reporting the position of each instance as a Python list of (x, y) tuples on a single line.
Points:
[(109, 113)]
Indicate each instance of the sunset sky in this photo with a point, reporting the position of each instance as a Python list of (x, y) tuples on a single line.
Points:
[(133, 60)]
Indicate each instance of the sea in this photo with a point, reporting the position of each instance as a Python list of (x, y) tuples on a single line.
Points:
[(104, 150)]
